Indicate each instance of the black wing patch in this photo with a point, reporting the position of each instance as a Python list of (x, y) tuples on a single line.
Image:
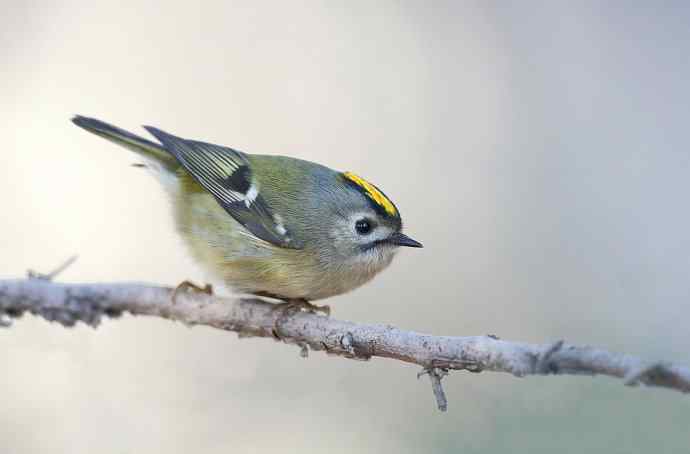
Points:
[(240, 180), (227, 175)]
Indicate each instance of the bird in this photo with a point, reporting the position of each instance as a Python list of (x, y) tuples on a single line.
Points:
[(268, 225)]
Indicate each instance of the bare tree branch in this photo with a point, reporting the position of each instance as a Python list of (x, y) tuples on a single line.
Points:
[(89, 303)]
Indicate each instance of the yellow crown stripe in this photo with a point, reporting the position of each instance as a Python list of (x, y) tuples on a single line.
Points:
[(371, 190)]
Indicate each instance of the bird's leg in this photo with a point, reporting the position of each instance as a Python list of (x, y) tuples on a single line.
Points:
[(186, 286)]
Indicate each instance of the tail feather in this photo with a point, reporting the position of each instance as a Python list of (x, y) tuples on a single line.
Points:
[(154, 154)]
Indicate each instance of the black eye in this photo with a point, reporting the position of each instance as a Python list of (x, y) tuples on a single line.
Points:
[(363, 226)]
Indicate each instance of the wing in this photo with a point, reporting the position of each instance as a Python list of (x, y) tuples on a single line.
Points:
[(227, 175)]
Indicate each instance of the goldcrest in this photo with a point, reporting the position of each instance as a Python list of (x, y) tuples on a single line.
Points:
[(269, 225)]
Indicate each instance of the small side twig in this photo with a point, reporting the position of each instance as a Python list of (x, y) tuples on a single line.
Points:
[(436, 374), (31, 274), (544, 364)]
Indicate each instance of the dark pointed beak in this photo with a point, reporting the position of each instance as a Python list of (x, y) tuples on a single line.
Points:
[(400, 239)]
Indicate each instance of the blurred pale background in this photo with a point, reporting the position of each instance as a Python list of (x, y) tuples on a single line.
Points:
[(538, 150)]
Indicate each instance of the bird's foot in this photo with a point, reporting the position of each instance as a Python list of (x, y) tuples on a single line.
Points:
[(292, 306), (186, 286)]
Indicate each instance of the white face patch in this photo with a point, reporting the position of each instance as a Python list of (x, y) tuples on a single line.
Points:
[(363, 246), (374, 260)]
